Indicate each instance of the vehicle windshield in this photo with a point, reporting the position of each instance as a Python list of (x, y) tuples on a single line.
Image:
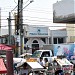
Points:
[(36, 54)]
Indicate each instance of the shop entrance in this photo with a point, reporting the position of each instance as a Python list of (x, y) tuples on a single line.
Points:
[(35, 47)]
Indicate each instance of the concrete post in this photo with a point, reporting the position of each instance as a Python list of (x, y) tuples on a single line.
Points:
[(9, 57)]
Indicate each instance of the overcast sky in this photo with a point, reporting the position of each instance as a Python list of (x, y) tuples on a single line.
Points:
[(39, 12)]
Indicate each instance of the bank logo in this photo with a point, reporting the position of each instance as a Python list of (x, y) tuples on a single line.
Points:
[(38, 31)]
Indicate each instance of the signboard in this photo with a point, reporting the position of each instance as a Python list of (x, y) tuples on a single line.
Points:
[(64, 11), (31, 60), (64, 49), (41, 31)]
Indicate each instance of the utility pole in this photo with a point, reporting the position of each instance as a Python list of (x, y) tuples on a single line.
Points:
[(9, 53), (20, 24), (9, 25)]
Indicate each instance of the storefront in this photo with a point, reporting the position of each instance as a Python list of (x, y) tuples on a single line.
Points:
[(35, 37)]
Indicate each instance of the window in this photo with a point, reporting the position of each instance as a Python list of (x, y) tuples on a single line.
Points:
[(43, 39), (25, 40), (36, 54), (46, 54), (35, 41), (55, 40), (49, 40), (58, 40)]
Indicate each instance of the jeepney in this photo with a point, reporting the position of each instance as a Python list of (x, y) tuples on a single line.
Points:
[(60, 65), (33, 67)]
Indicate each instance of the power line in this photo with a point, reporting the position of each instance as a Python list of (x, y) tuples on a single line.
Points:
[(40, 11), (14, 8), (29, 9), (32, 10), (26, 2), (31, 17), (15, 1), (44, 26), (37, 20)]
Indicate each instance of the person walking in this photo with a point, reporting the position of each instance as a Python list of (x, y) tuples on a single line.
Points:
[(46, 63), (24, 70), (41, 61)]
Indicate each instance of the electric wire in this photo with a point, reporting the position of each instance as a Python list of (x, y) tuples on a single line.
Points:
[(37, 17), (25, 2), (30, 9), (15, 1), (34, 11), (42, 26), (38, 20), (14, 8)]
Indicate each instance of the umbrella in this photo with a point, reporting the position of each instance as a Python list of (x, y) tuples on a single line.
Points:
[(5, 47), (2, 67)]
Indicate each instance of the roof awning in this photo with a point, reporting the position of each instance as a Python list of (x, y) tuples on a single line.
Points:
[(2, 67), (63, 62), (34, 65), (19, 61), (31, 64)]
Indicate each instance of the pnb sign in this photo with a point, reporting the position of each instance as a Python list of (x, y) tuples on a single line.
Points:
[(38, 31), (64, 11)]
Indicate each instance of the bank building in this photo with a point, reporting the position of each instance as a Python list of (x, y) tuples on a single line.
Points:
[(35, 36)]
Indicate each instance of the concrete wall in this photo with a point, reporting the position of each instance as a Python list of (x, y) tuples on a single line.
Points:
[(70, 32)]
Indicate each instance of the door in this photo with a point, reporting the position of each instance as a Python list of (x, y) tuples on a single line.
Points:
[(35, 47)]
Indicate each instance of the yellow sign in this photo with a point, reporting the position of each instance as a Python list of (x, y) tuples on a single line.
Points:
[(31, 60)]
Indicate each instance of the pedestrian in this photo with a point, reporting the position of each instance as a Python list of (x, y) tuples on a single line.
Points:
[(24, 70), (59, 72), (46, 63), (14, 67), (41, 61)]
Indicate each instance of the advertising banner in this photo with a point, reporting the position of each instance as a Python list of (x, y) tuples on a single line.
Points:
[(64, 50), (64, 12)]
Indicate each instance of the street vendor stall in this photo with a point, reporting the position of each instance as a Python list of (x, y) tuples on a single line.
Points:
[(31, 67), (60, 66)]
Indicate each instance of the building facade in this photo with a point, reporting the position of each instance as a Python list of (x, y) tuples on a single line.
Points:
[(70, 32), (37, 36)]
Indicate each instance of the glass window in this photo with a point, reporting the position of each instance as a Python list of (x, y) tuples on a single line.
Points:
[(35, 41), (46, 54), (25, 40), (55, 40), (60, 40), (36, 54), (43, 39)]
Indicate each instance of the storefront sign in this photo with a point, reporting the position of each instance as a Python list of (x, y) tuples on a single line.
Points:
[(38, 31)]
